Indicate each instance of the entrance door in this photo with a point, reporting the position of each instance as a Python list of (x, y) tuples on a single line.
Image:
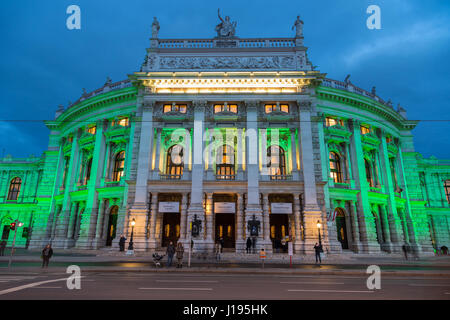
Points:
[(5, 234), (225, 229), (171, 228), (112, 223), (279, 229), (341, 228)]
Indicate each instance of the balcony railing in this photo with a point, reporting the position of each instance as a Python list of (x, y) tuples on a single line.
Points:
[(287, 177), (213, 43), (225, 176), (170, 176)]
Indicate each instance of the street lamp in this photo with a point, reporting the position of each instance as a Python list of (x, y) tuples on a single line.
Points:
[(130, 245), (319, 225), (14, 225)]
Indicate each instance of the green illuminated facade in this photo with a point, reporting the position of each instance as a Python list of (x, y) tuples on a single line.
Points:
[(229, 131)]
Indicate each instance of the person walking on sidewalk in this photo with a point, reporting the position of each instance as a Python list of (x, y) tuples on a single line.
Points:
[(180, 252), (248, 245), (122, 242), (217, 250), (318, 249), (46, 255), (405, 250), (2, 247), (170, 252)]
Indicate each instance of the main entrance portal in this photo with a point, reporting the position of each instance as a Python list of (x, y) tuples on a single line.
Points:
[(341, 228), (169, 206), (280, 209), (225, 212)]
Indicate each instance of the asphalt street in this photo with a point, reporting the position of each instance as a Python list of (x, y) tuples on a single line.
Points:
[(206, 286)]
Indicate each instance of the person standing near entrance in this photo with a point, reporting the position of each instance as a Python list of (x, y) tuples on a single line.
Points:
[(221, 244), (218, 250), (2, 247), (405, 251), (46, 255), (248, 245), (180, 252), (170, 252), (318, 249), (122, 242)]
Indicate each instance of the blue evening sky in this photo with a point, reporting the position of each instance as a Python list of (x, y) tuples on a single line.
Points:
[(43, 64)]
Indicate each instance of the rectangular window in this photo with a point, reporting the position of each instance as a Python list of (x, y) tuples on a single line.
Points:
[(233, 108), (269, 108), (92, 129), (182, 108), (123, 122), (330, 121), (365, 130)]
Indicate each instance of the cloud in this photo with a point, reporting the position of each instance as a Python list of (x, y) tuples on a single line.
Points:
[(419, 35)]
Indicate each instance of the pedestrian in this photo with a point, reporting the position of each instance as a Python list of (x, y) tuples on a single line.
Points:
[(122, 242), (318, 249), (248, 245), (180, 252), (405, 250), (46, 255), (444, 250), (2, 247), (221, 244), (217, 250), (170, 252)]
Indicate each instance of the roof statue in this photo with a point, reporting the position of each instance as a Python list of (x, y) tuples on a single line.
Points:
[(225, 29), (155, 28), (298, 25)]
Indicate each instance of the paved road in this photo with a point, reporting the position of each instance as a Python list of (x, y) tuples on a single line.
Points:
[(129, 285)]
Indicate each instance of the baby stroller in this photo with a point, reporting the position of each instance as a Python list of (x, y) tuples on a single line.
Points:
[(157, 259)]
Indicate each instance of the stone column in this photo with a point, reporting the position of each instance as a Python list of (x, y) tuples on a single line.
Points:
[(152, 239), (240, 241), (294, 172), (97, 243), (266, 216), (183, 219), (356, 243), (139, 207), (196, 203), (253, 206), (311, 210), (209, 217), (386, 234), (298, 242), (366, 221), (391, 203)]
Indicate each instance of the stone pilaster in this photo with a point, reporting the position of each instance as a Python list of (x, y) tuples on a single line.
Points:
[(240, 241)]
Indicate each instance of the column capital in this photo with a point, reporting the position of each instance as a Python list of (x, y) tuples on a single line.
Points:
[(148, 105), (304, 105)]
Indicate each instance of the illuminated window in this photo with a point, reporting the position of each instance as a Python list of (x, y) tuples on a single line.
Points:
[(225, 163), (119, 164), (272, 231), (14, 188), (365, 130), (92, 129), (70, 139), (218, 108), (178, 230), (276, 163), (269, 108), (447, 190), (174, 163), (229, 231), (389, 139), (333, 121), (87, 171), (123, 122), (335, 167), (369, 175), (167, 230), (181, 108), (283, 231)]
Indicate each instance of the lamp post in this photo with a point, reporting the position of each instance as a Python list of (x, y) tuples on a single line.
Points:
[(319, 225), (130, 245), (16, 225)]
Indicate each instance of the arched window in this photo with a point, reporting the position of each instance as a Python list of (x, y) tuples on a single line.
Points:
[(119, 163), (225, 163), (335, 167), (369, 174), (175, 161), (447, 189), (276, 163), (14, 188), (87, 171)]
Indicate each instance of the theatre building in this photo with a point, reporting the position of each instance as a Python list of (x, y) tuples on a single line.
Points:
[(225, 139)]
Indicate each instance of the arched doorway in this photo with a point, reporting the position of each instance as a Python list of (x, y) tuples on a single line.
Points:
[(341, 228), (112, 224)]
